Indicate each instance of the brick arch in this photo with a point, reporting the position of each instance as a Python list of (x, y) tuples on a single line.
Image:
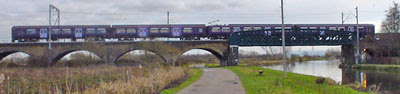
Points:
[(60, 55), (123, 52), (217, 54), (6, 53)]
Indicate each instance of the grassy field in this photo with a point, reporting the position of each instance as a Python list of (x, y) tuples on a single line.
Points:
[(272, 82), (194, 74), (104, 79)]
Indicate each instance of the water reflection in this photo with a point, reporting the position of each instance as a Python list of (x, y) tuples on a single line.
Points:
[(388, 82), (321, 68)]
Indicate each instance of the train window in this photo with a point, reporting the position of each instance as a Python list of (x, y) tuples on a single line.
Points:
[(55, 31), (278, 29), (360, 29), (246, 28), (31, 31), (164, 30), (288, 29), (303, 29), (101, 30), (43, 31), (341, 29), (67, 31), (78, 30), (313, 29), (154, 30), (322, 28), (267, 28), (350, 28), (201, 30), (187, 30), (120, 30), (215, 29), (236, 29), (226, 29), (176, 29), (90, 30), (257, 28), (131, 30), (332, 28), (142, 29)]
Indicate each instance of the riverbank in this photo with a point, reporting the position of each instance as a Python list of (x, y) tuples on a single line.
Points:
[(258, 62), (381, 67), (271, 82), (194, 75)]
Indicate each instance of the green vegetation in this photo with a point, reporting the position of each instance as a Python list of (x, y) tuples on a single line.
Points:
[(388, 68), (194, 74), (271, 82), (214, 65)]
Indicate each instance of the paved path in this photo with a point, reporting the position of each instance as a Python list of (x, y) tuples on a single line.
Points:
[(215, 81)]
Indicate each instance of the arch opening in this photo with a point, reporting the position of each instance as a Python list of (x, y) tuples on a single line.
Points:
[(76, 58), (13, 59), (139, 57), (200, 56)]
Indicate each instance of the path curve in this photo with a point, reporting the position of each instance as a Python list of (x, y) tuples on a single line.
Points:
[(215, 81)]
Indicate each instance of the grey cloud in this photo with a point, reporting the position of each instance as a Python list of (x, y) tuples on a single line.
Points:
[(34, 12)]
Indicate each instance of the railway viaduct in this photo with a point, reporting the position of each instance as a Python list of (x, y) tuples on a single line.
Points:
[(109, 52), (225, 50)]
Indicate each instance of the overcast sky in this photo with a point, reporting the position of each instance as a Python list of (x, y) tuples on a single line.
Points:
[(80, 12)]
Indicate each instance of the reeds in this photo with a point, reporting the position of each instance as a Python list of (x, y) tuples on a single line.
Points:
[(95, 79)]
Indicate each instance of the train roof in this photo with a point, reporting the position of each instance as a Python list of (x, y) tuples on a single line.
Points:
[(41, 26), (161, 25), (334, 24), (260, 24)]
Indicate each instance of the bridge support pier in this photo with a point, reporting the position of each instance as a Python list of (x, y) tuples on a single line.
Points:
[(233, 56), (348, 56)]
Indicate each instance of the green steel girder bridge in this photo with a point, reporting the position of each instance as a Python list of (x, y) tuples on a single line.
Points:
[(345, 39), (318, 38)]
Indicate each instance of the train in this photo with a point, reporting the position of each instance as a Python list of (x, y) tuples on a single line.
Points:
[(180, 31)]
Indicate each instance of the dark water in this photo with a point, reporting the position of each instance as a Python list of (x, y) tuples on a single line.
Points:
[(388, 82)]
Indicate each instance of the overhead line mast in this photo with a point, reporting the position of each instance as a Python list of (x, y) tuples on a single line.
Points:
[(283, 41)]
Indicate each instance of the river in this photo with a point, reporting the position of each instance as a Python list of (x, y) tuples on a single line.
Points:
[(388, 82)]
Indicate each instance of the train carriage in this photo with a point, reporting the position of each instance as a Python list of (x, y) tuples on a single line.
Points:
[(193, 31), (92, 32), (364, 29), (73, 32), (182, 31), (187, 31), (28, 33)]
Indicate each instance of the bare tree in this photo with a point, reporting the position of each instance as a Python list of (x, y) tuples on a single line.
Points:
[(392, 22)]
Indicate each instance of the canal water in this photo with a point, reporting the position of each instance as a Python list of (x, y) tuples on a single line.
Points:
[(389, 82)]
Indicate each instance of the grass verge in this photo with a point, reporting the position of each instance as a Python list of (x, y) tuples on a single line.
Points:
[(195, 74), (272, 82)]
